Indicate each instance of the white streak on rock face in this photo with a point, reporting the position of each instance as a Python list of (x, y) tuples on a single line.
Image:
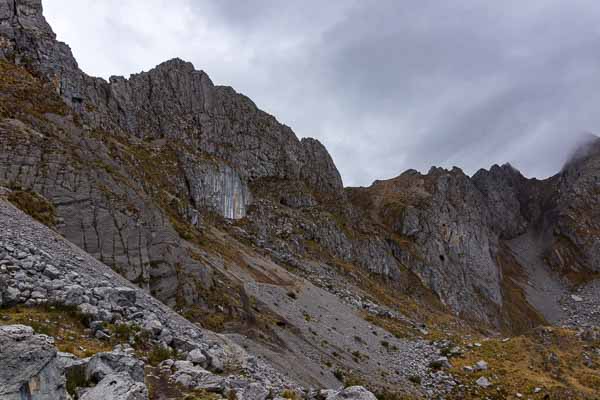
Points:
[(219, 187)]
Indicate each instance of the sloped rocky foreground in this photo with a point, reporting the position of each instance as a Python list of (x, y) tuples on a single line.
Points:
[(38, 267), (34, 369)]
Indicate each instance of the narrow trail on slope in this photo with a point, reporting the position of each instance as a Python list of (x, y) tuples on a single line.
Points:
[(543, 288)]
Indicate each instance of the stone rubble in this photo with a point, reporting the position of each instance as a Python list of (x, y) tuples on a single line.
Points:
[(582, 310)]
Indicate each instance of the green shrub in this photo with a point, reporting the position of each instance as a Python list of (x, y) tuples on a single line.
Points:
[(159, 354), (40, 328), (124, 331), (76, 379)]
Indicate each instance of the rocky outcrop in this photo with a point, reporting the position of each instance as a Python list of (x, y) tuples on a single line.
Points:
[(126, 201), (318, 169), (119, 362), (450, 229), (30, 367), (503, 191), (441, 227), (575, 219), (193, 376), (27, 38)]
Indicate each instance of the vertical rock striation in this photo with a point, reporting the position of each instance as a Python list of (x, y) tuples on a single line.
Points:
[(217, 186)]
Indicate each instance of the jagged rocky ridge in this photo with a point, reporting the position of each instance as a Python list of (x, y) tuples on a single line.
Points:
[(459, 233), (191, 192)]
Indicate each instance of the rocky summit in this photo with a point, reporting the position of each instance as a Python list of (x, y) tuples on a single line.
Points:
[(163, 238)]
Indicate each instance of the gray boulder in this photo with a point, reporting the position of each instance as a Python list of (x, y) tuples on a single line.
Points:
[(197, 357), (9, 296), (254, 391), (153, 326), (216, 359), (30, 368), (481, 365), (104, 364), (117, 387), (196, 377), (350, 393)]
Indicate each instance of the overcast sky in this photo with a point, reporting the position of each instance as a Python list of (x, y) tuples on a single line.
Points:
[(385, 85)]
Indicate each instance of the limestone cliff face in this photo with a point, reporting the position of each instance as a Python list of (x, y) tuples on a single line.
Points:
[(216, 186), (172, 101), (28, 39), (451, 228), (502, 188), (132, 165), (441, 223)]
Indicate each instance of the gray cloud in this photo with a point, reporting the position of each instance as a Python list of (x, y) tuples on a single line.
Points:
[(386, 85)]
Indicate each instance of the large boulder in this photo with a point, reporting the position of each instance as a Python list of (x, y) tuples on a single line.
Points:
[(254, 391), (30, 368), (115, 362), (117, 387), (195, 377), (350, 393), (8, 295)]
